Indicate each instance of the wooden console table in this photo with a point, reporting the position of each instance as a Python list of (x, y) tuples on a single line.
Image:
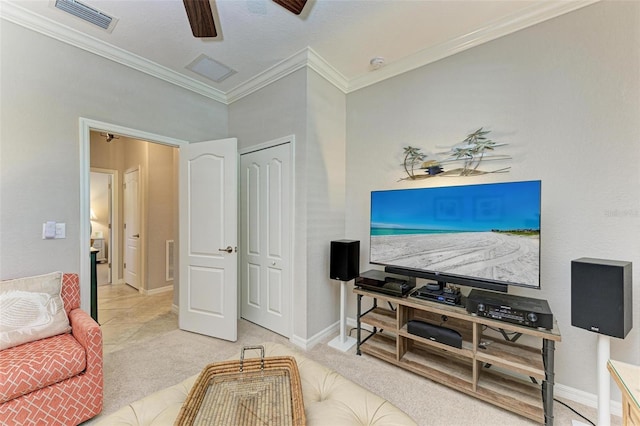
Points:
[(513, 376), (627, 377)]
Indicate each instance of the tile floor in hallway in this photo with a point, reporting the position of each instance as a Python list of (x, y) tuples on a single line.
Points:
[(127, 316)]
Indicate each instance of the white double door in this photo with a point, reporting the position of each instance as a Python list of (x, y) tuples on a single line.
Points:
[(208, 238), (265, 247)]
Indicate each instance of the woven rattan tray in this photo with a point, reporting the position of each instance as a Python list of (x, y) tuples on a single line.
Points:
[(257, 391)]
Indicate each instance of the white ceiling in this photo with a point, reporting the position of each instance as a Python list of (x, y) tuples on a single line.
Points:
[(256, 37)]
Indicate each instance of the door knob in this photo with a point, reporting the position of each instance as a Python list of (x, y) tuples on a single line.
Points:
[(229, 249), (136, 235)]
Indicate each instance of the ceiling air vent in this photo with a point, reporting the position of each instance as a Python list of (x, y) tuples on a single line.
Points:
[(210, 68), (86, 13)]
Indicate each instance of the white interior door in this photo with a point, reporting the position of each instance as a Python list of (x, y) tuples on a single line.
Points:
[(208, 238), (132, 228), (265, 244)]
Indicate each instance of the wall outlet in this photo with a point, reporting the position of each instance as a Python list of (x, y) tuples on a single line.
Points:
[(61, 230)]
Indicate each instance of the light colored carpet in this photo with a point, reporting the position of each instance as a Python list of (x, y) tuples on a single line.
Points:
[(146, 367)]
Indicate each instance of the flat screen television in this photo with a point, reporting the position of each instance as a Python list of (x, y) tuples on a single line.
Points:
[(485, 236)]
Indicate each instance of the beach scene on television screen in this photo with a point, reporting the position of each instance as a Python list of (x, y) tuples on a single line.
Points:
[(487, 231)]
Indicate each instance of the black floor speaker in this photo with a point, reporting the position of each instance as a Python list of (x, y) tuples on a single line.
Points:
[(601, 296), (345, 260)]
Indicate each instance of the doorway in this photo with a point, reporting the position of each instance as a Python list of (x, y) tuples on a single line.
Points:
[(87, 126), (104, 189), (121, 157), (145, 209)]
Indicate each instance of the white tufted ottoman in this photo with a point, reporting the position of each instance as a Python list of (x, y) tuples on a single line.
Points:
[(329, 399)]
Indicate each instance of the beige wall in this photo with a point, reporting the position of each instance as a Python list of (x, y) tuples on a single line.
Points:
[(158, 199), (326, 169), (307, 106), (161, 201), (46, 87), (565, 96), (273, 112)]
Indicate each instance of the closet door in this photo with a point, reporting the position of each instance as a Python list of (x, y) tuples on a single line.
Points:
[(265, 263)]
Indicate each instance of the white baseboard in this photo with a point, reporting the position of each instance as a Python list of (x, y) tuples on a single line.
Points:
[(307, 344), (157, 290), (330, 331), (585, 398), (299, 342)]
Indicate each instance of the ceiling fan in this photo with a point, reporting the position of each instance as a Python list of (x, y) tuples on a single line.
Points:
[(201, 17)]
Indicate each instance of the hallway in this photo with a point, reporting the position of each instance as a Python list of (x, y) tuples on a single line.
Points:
[(126, 316)]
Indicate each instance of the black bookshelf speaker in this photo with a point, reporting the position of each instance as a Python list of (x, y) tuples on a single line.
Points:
[(345, 260), (601, 296)]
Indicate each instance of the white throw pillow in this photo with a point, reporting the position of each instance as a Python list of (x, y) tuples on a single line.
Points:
[(31, 309)]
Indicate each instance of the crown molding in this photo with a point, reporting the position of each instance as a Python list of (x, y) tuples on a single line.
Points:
[(327, 71), (274, 73), (306, 57), (20, 16), (532, 15)]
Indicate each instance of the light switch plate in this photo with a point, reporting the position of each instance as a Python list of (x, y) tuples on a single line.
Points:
[(48, 230)]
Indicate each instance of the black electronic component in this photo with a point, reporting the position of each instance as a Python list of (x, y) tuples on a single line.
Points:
[(510, 308), (344, 260), (437, 333), (380, 281), (601, 296), (448, 295)]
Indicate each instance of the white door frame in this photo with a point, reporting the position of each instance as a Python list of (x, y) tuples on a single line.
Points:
[(292, 203), (86, 125)]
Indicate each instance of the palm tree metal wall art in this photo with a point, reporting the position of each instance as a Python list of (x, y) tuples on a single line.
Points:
[(471, 152)]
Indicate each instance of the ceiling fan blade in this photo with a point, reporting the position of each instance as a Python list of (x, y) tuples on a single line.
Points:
[(293, 6), (200, 18)]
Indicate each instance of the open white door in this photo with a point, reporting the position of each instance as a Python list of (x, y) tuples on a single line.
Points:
[(208, 238), (131, 265)]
